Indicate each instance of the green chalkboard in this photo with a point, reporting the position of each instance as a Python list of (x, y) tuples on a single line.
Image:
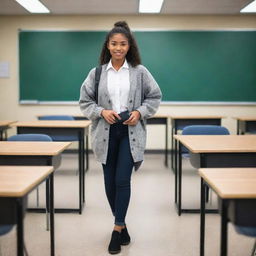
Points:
[(192, 66)]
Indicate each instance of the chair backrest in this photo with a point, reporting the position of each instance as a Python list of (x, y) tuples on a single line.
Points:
[(4, 229), (205, 130), (247, 231), (30, 137), (56, 117), (201, 130)]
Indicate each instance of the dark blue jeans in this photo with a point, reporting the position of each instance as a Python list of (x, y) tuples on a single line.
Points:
[(117, 172)]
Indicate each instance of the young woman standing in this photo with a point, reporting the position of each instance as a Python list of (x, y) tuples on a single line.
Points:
[(127, 96)]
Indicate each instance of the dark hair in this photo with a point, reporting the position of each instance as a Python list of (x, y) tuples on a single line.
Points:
[(132, 56)]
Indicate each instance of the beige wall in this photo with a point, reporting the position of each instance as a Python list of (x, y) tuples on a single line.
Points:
[(9, 87)]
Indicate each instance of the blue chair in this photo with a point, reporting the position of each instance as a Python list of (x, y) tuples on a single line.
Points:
[(60, 137), (200, 130), (205, 130), (248, 228), (56, 117), (254, 249), (4, 229), (247, 231), (31, 137)]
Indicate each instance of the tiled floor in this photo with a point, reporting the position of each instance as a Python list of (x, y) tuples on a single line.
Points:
[(154, 226)]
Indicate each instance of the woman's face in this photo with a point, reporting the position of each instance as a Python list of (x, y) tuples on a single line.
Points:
[(118, 46)]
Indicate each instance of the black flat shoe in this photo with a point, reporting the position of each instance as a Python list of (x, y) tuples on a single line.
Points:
[(125, 238), (115, 243)]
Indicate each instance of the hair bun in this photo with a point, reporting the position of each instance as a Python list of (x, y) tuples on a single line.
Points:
[(122, 24)]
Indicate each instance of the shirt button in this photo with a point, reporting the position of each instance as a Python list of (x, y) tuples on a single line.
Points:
[(106, 129), (131, 132), (132, 149), (109, 101), (133, 139), (130, 101), (104, 140)]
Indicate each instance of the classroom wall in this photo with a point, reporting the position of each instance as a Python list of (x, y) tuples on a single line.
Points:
[(9, 87)]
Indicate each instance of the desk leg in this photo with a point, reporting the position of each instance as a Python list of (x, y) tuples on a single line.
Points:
[(84, 151), (224, 229), (202, 218), (83, 167), (176, 172), (237, 127), (87, 152), (175, 151), (166, 143), (172, 150), (20, 228), (179, 179), (47, 191), (175, 155), (81, 151), (51, 204)]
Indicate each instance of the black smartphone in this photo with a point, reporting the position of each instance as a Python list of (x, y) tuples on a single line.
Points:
[(124, 116)]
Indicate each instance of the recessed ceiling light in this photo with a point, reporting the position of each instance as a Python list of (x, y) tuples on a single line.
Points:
[(150, 6), (250, 7), (33, 6)]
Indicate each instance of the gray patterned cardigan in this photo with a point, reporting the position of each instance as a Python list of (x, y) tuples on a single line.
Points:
[(140, 81)]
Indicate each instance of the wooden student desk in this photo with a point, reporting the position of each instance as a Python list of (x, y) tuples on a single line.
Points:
[(16, 182), (67, 128), (156, 119), (236, 190), (178, 122), (214, 151), (246, 124), (35, 153), (4, 125)]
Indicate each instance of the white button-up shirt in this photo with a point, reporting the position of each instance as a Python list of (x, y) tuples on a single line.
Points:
[(119, 86)]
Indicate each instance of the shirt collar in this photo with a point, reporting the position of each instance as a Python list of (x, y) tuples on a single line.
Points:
[(125, 65)]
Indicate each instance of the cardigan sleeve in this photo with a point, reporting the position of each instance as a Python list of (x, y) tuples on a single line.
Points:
[(87, 101), (152, 95)]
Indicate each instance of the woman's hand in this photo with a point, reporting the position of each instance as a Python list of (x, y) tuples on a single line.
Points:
[(133, 119), (110, 116)]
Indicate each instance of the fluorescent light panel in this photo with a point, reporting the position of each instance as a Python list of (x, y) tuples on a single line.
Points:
[(250, 7), (33, 6), (150, 6)]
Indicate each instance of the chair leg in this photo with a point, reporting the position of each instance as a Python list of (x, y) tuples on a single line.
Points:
[(207, 194), (37, 197), (47, 220), (25, 250), (210, 196), (5, 135), (254, 249)]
